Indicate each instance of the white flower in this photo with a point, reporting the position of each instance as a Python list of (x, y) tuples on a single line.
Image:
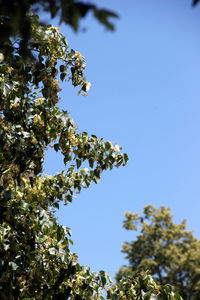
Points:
[(87, 86), (1, 57), (39, 101), (85, 171), (117, 148)]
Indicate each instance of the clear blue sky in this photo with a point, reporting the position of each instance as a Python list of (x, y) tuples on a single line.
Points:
[(145, 96)]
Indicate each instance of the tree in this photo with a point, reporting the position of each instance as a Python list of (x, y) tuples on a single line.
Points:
[(167, 250), (16, 19), (35, 259)]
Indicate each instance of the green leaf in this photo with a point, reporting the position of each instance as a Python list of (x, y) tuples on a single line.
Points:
[(108, 145), (63, 68), (103, 277), (126, 157), (91, 162), (63, 76), (56, 147), (78, 163)]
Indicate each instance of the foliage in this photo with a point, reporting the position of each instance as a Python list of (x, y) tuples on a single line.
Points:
[(36, 262), (167, 250), (141, 286), (35, 257), (16, 20)]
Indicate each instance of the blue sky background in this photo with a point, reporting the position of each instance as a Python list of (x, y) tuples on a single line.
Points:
[(145, 96)]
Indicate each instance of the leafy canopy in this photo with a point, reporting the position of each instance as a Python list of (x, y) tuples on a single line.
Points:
[(167, 250), (35, 257), (16, 20)]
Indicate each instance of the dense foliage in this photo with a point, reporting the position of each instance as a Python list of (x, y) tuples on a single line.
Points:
[(16, 20), (35, 258), (167, 250)]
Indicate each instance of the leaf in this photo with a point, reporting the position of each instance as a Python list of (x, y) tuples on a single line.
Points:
[(96, 179), (7, 195), (103, 17), (78, 163), (56, 147), (103, 277), (63, 76), (91, 162), (126, 157), (108, 145), (177, 297), (63, 68), (5, 88)]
